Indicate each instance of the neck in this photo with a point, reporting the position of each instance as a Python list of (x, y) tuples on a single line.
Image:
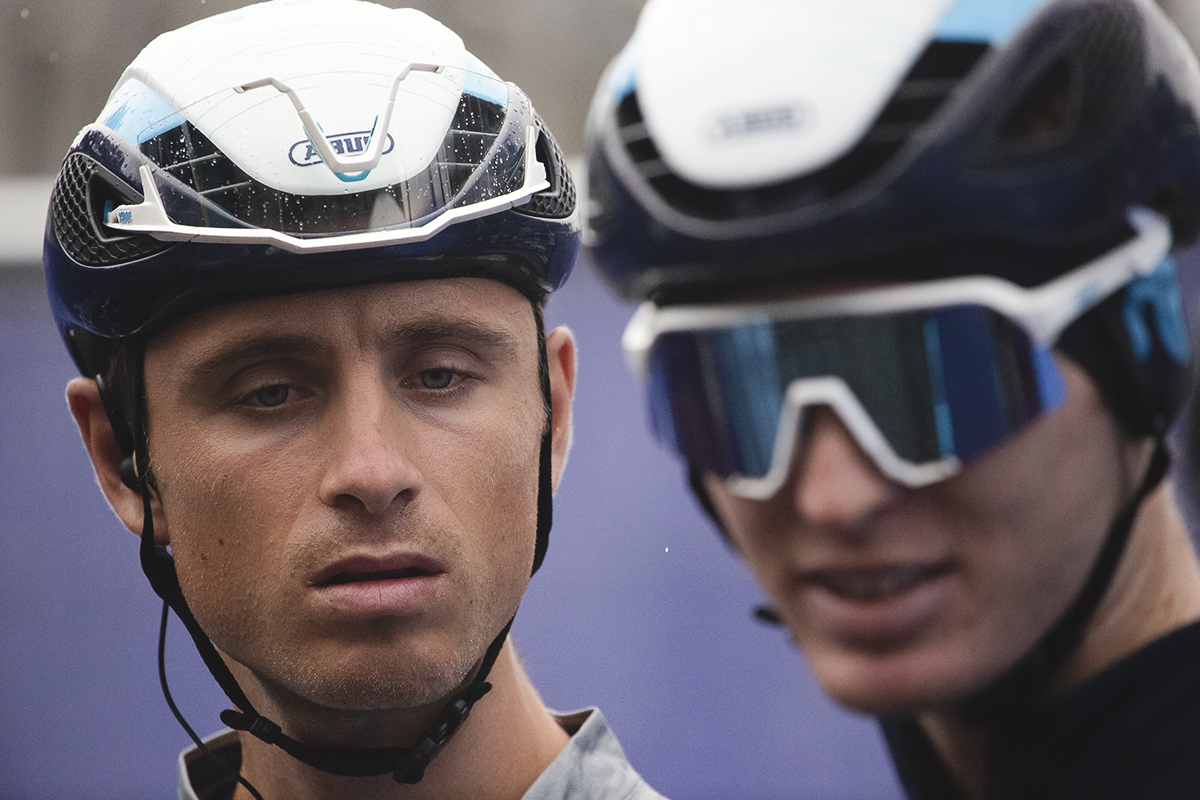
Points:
[(506, 743), (1155, 591)]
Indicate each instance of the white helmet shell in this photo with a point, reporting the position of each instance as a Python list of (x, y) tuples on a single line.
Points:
[(734, 124), (339, 56)]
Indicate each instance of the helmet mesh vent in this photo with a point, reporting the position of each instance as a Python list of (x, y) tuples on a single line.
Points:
[(557, 202), (76, 206), (922, 92)]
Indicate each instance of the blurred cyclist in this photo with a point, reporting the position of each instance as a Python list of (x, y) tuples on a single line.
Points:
[(911, 319)]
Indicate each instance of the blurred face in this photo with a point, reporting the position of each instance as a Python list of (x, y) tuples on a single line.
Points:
[(348, 481), (908, 600)]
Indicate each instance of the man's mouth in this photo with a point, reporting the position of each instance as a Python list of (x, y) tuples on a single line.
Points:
[(375, 569), (372, 586), (369, 577), (875, 584)]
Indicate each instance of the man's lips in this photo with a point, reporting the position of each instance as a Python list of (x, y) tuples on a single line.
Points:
[(368, 569), (370, 586), (875, 583), (874, 606), (381, 575)]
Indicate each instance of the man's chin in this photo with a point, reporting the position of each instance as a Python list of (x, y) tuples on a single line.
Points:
[(384, 689), (333, 690), (899, 684), (375, 696)]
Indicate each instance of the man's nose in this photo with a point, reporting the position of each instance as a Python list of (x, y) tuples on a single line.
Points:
[(835, 482), (369, 466)]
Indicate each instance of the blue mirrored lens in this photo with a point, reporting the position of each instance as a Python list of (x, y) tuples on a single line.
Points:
[(938, 383), (996, 380), (717, 398)]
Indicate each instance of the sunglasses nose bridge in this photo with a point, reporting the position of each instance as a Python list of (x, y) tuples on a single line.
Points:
[(825, 406), (837, 404), (810, 404), (832, 480)]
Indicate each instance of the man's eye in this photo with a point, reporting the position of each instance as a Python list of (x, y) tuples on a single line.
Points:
[(270, 396), (438, 378)]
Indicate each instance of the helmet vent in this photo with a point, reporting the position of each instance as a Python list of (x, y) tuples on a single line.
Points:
[(83, 192), (923, 91), (1073, 88), (557, 202), (189, 156), (1044, 109)]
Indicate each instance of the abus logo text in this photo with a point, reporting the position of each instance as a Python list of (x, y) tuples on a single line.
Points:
[(304, 154)]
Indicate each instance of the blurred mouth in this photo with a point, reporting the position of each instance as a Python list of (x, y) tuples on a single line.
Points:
[(877, 583), (876, 608)]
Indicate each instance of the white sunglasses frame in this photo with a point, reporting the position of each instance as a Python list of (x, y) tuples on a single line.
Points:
[(1044, 312)]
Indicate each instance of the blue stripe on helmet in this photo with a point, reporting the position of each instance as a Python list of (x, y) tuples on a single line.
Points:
[(621, 77), (137, 113), (992, 21)]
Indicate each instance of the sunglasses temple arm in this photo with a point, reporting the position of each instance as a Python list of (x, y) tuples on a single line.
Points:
[(1048, 310)]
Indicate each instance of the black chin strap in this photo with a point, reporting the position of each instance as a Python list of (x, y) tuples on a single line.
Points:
[(1019, 687), (407, 764)]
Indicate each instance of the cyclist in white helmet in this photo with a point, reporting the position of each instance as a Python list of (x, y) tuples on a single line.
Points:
[(911, 318), (300, 260)]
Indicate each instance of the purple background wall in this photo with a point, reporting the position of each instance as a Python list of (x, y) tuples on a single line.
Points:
[(639, 608)]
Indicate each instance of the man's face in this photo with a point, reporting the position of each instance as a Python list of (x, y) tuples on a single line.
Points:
[(348, 481), (911, 600)]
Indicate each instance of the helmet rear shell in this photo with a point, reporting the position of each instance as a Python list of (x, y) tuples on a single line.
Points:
[(1015, 156)]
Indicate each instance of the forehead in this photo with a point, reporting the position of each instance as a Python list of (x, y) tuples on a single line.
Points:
[(486, 307)]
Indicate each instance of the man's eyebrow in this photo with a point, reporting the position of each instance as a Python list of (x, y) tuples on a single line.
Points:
[(214, 365), (494, 342), (471, 334)]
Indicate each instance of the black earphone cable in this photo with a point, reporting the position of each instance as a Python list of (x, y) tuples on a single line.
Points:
[(166, 690)]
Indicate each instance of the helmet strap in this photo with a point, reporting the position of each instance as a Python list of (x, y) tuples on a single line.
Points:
[(545, 496), (1020, 686)]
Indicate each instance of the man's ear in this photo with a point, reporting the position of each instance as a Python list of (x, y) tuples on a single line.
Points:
[(83, 398), (560, 355)]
